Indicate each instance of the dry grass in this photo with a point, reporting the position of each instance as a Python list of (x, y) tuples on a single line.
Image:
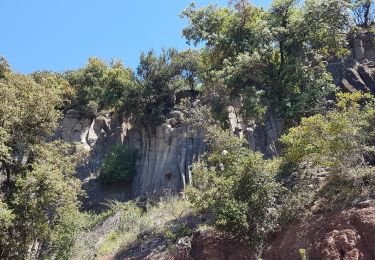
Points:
[(127, 230)]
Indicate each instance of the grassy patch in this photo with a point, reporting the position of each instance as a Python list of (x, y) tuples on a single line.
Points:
[(126, 229)]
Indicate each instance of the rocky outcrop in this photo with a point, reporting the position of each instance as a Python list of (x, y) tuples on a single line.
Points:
[(363, 47), (357, 72), (97, 136), (358, 77), (262, 138), (165, 154)]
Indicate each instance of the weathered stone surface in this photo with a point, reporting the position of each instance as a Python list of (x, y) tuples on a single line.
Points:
[(363, 47), (165, 155), (368, 76), (357, 72), (346, 87), (176, 114), (97, 136), (354, 79), (261, 138), (74, 128)]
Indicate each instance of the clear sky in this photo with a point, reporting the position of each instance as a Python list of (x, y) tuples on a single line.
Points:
[(61, 34)]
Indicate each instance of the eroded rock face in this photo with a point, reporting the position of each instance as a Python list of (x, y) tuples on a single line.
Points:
[(97, 136), (357, 72), (363, 46), (261, 138), (349, 234), (165, 155)]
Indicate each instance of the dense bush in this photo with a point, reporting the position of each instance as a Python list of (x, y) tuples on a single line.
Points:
[(339, 143), (100, 86), (39, 184), (339, 139), (119, 165), (238, 186), (159, 78)]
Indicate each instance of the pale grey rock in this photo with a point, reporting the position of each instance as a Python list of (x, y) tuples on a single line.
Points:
[(358, 49), (97, 136), (74, 128), (345, 86), (165, 155), (176, 114), (221, 167), (262, 138)]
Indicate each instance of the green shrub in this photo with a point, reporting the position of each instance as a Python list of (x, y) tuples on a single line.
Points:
[(339, 139), (100, 86), (119, 165), (237, 185)]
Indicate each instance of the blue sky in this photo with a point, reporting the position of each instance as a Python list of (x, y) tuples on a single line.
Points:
[(60, 35)]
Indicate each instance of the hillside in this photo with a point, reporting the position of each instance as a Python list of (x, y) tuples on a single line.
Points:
[(256, 143)]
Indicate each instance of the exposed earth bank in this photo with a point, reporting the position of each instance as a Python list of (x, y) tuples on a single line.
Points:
[(346, 234)]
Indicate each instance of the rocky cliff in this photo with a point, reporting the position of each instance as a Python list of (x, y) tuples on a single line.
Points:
[(164, 154), (97, 135)]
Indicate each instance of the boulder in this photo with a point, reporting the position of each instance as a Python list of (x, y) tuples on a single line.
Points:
[(346, 87), (355, 80), (368, 76)]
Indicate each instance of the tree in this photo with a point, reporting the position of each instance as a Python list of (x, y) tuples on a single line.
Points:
[(158, 80), (57, 82), (39, 181), (281, 19), (271, 60), (191, 66), (226, 31), (28, 115), (324, 29), (43, 190), (99, 86), (6, 224)]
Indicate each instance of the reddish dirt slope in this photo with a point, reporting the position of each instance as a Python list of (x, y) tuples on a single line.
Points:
[(348, 234)]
